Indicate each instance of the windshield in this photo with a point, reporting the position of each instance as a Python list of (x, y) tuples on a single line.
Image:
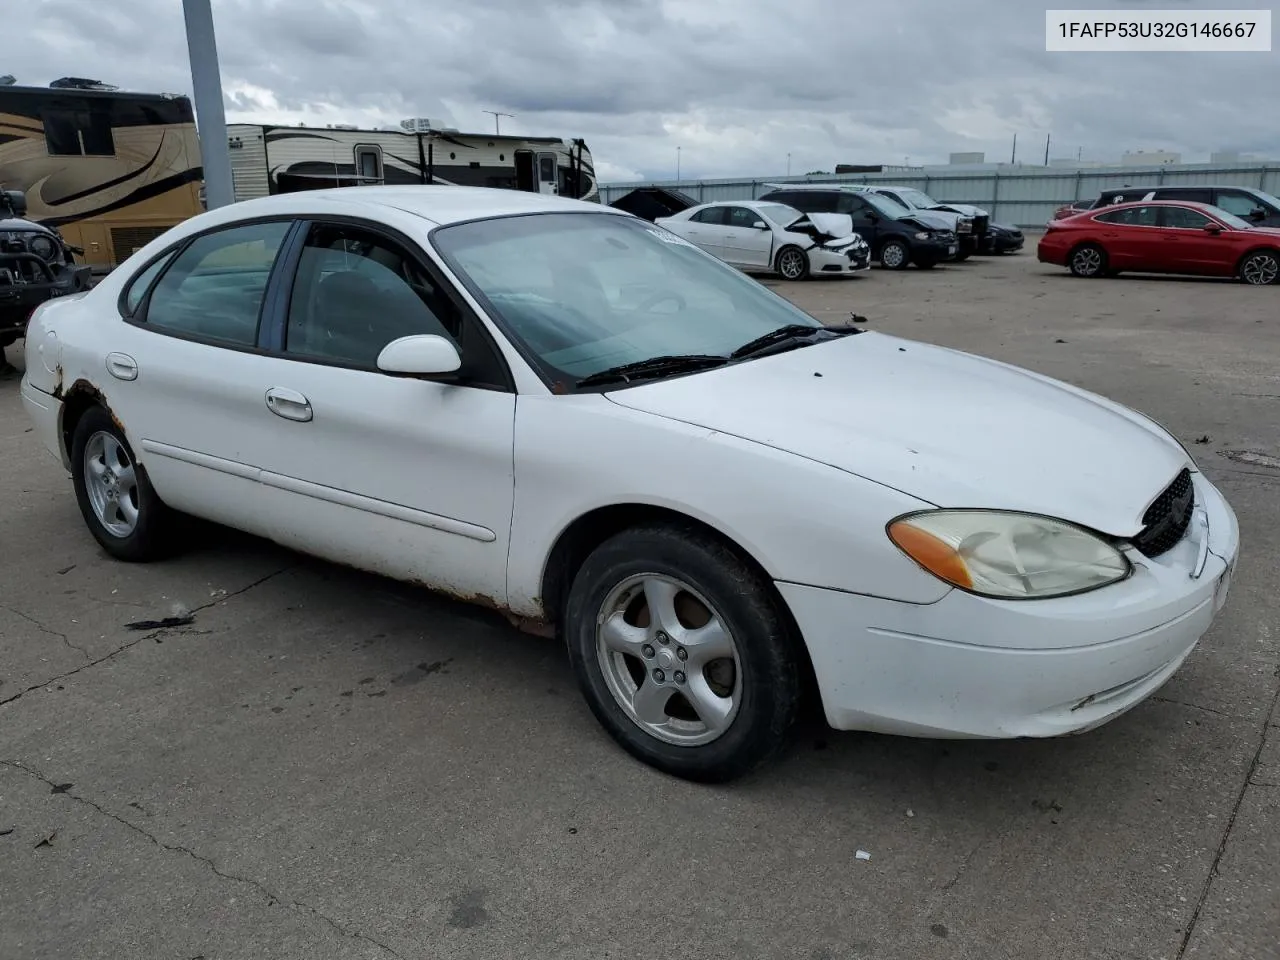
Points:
[(780, 213), (583, 292), (917, 198), (889, 208)]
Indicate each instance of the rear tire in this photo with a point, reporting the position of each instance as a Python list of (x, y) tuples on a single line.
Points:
[(1260, 268), (1088, 260), (895, 255), (117, 501), (710, 687), (792, 263)]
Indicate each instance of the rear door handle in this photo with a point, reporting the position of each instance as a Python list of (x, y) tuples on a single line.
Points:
[(289, 404), (122, 366)]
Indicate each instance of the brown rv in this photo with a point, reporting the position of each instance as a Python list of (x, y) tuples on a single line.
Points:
[(110, 170)]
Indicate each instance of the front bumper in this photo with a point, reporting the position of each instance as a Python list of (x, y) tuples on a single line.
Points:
[(935, 251), (840, 260), (969, 667)]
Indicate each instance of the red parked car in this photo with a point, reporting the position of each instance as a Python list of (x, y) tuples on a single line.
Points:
[(1163, 236)]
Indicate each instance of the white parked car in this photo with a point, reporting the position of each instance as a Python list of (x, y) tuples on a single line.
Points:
[(755, 235), (567, 413)]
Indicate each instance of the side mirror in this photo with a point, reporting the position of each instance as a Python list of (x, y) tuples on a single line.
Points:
[(1212, 228), (424, 355), (760, 225), (1257, 213)]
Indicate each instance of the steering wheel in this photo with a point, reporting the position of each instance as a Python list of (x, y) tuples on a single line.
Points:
[(657, 298)]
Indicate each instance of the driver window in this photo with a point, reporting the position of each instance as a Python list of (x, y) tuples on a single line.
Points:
[(355, 291), (743, 217), (1184, 218)]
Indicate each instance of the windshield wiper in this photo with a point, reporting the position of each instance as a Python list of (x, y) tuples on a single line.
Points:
[(653, 367), (788, 337)]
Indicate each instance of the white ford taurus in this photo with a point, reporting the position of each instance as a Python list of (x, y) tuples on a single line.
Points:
[(567, 413)]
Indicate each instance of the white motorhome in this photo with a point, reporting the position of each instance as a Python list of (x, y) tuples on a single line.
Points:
[(283, 159)]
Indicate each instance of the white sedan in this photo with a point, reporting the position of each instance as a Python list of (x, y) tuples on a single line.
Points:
[(756, 235), (572, 415)]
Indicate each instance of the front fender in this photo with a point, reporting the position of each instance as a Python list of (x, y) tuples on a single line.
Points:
[(800, 520)]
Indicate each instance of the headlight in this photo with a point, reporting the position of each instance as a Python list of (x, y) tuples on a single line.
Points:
[(923, 235), (1009, 556)]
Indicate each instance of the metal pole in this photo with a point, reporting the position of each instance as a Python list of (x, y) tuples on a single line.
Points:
[(211, 121)]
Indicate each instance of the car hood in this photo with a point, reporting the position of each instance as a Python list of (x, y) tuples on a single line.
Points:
[(967, 209), (949, 428), (929, 220)]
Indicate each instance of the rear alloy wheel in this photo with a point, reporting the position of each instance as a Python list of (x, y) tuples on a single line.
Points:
[(1260, 269), (118, 504), (895, 255), (1088, 260), (793, 263), (682, 654)]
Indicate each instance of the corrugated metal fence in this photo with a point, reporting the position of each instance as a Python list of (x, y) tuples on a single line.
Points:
[(1026, 197)]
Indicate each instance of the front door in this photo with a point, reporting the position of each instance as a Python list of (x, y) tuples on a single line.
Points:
[(745, 244), (1190, 248), (399, 475)]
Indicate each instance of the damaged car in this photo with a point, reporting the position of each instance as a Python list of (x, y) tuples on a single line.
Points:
[(725, 509), (36, 265), (754, 235)]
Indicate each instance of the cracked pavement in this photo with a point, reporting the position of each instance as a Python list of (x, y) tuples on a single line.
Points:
[(323, 764)]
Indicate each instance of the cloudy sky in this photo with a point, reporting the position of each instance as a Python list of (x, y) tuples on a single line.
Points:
[(735, 84)]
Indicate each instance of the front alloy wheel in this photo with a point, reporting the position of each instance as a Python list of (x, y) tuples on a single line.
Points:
[(682, 652), (1260, 269), (793, 264)]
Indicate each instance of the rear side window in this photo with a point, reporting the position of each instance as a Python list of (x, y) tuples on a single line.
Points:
[(1191, 196), (1132, 217), (140, 284), (215, 287), (806, 201)]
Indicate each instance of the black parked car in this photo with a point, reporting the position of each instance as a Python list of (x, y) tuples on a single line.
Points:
[(1002, 238), (898, 236), (35, 266), (1259, 208)]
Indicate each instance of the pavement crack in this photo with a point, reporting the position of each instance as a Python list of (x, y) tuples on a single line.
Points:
[(1196, 706), (964, 865), (43, 629), (1231, 822), (132, 643), (272, 899)]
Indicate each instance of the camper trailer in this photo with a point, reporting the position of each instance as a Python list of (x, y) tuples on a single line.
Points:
[(283, 159), (110, 170)]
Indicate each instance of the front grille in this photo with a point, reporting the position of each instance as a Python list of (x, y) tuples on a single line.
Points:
[(1167, 519), (126, 241), (980, 225)]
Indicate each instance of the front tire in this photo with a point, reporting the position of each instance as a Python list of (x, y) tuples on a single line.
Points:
[(1261, 268), (792, 263), (1088, 260), (117, 501), (682, 653), (895, 255)]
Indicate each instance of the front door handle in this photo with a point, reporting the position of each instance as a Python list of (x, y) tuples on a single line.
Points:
[(122, 366), (289, 404)]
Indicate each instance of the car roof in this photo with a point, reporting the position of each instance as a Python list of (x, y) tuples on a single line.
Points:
[(1195, 204), (436, 203), (1182, 186), (812, 186)]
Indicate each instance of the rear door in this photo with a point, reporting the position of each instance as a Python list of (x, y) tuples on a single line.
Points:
[(1132, 238), (705, 229), (746, 245)]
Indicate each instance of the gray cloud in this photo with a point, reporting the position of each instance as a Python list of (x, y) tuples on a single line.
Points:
[(736, 84)]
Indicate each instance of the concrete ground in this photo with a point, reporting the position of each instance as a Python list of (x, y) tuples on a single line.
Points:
[(329, 765)]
